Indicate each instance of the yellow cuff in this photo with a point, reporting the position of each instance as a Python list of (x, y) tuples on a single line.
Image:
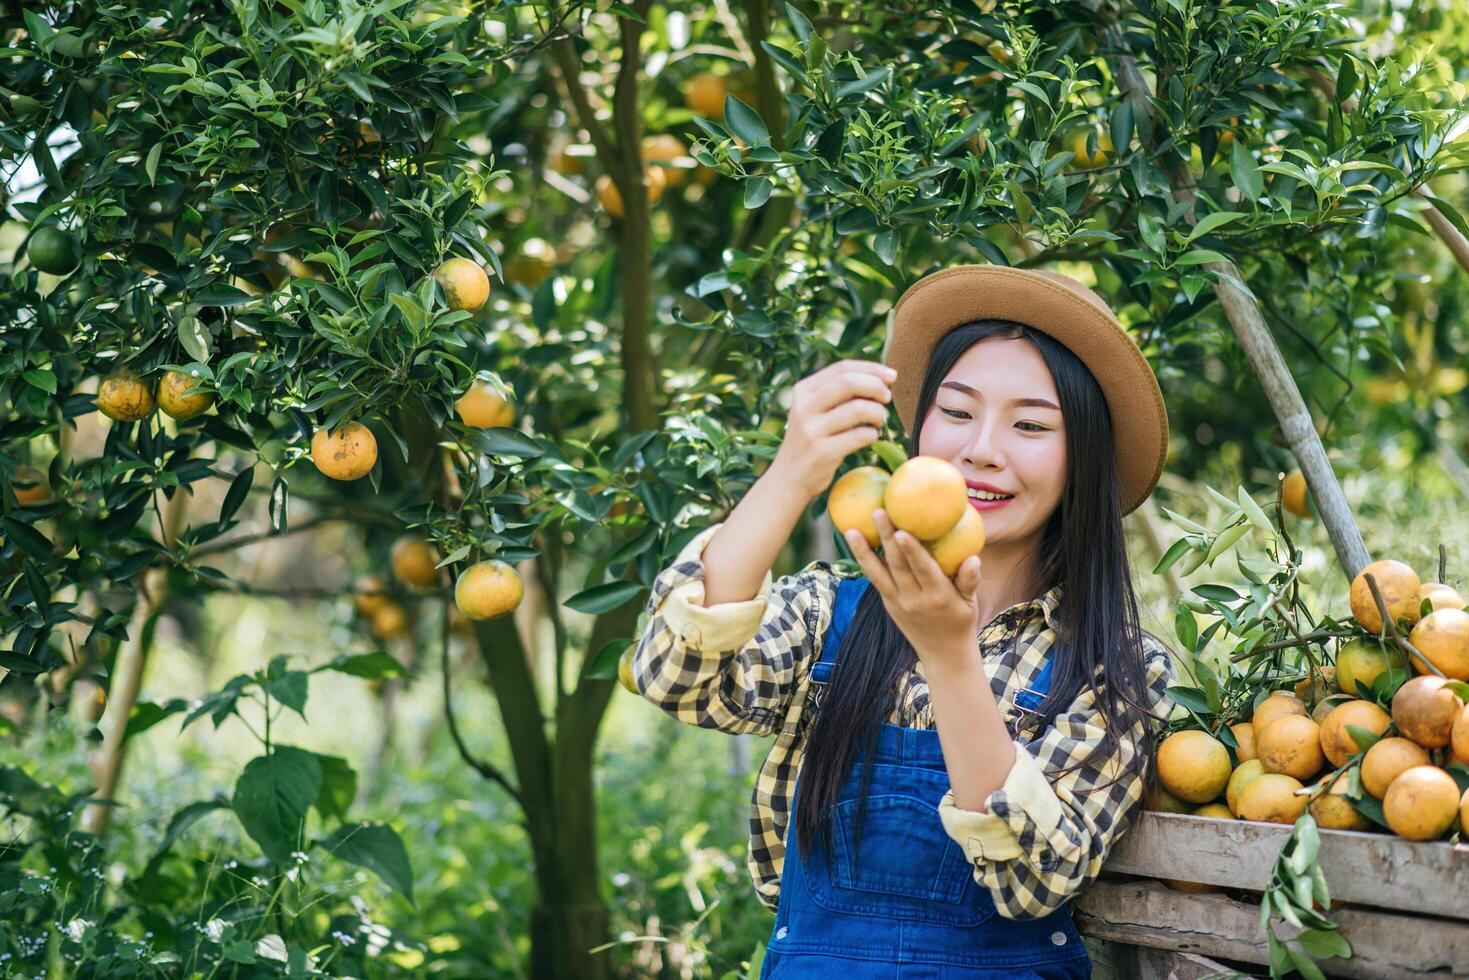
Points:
[(723, 626), (988, 837)]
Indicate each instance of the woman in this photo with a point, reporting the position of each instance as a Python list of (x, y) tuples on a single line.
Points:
[(959, 754)]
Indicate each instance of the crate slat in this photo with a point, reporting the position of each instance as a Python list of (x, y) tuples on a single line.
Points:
[(1384, 944), (1378, 870)]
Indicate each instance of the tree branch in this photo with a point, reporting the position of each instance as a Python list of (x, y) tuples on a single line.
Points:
[(485, 769)]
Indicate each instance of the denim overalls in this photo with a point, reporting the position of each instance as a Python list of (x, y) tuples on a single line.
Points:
[(910, 908)]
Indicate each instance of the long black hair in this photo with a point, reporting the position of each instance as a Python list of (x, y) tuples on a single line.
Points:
[(1099, 645)]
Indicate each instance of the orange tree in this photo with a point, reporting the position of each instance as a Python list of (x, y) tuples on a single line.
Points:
[(696, 206)]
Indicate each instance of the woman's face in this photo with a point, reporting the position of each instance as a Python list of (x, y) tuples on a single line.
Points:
[(997, 418)]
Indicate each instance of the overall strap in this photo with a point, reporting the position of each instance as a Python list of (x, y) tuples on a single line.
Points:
[(849, 590)]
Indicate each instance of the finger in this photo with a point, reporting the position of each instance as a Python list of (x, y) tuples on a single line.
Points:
[(968, 577), (896, 553), (847, 384), (850, 414), (871, 564)]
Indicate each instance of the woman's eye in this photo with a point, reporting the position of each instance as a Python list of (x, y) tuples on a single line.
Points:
[(1038, 426), (954, 414)]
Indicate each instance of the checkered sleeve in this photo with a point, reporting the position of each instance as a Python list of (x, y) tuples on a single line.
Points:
[(1048, 829), (733, 666)]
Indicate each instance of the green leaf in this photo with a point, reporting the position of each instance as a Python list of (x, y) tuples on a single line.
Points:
[(338, 787), (1245, 172), (1186, 628), (146, 714), (757, 191), (1325, 943), (1175, 551), (1305, 965), (181, 822), (605, 663), (379, 663), (42, 380), (378, 848), (1253, 512), (1192, 698), (745, 122), (221, 294), (601, 598), (1364, 738), (194, 338), (1209, 222), (860, 85), (290, 690), (272, 796)]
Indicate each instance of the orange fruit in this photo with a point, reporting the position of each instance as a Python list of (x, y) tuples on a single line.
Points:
[(1160, 800), (855, 497), (1464, 810), (1271, 798), (125, 397), (175, 399), (1334, 811), (625, 674), (52, 250), (1440, 596), (483, 408), (532, 264), (369, 596), (1238, 780), (1278, 705), (466, 285), (1293, 494), (1387, 760), (965, 538), (389, 621), (1292, 746), (926, 497), (662, 150), (570, 160), (346, 454), (1362, 660), (1244, 734), (654, 179), (1399, 586), (1216, 810), (1337, 742), (1459, 737), (704, 93), (1422, 803), (1192, 887), (488, 589), (30, 486), (1425, 711), (1442, 637), (1326, 706), (414, 562), (1193, 766), (1317, 684)]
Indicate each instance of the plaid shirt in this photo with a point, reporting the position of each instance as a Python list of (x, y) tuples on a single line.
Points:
[(745, 667)]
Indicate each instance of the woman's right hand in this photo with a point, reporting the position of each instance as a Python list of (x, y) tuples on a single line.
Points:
[(834, 412)]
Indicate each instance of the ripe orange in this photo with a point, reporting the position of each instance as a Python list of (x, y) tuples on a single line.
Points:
[(1317, 684), (1388, 759), (369, 596), (965, 538), (1464, 811), (1441, 596), (611, 198), (1422, 803), (465, 284), (1216, 810), (1337, 742), (1399, 586), (662, 150), (1443, 638), (1292, 746), (1279, 704), (483, 408), (414, 561), (389, 621), (1193, 766), (1459, 739), (1425, 710), (1244, 734), (705, 94), (1293, 494), (1272, 798), (1334, 811), (1326, 706), (1361, 661), (30, 486), (173, 396), (855, 497), (1160, 800), (570, 160), (488, 589), (346, 454), (1247, 773), (532, 264), (926, 497), (625, 674), (125, 397)]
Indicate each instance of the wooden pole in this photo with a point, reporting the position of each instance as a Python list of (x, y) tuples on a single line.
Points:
[(1254, 335)]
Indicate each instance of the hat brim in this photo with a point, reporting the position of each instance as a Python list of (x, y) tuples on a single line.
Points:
[(1055, 305)]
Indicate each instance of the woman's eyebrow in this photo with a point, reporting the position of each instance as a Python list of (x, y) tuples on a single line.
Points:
[(1018, 402)]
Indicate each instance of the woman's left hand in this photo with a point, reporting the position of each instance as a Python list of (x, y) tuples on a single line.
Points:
[(939, 615)]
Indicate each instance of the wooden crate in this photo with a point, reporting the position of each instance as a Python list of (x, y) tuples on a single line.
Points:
[(1380, 877)]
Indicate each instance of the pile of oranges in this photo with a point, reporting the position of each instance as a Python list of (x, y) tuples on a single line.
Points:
[(1355, 738)]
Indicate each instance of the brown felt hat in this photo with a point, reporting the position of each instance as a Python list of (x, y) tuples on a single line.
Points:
[(1056, 305)]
